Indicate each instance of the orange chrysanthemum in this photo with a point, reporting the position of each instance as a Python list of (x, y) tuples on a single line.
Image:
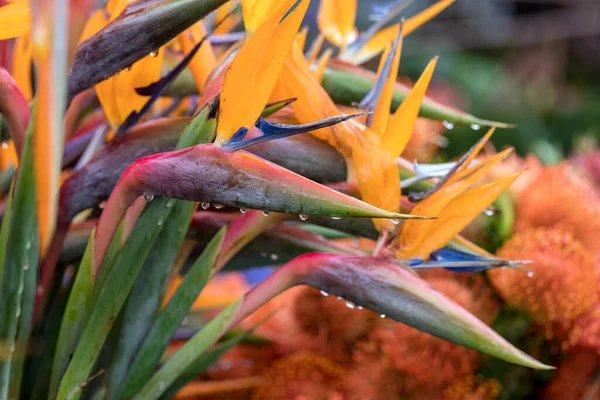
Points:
[(243, 361), (301, 376), (472, 388), (374, 376), (418, 353), (331, 319), (559, 196), (574, 377), (564, 278)]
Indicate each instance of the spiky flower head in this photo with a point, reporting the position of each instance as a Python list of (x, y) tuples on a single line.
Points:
[(301, 376), (418, 354), (473, 388), (575, 378), (560, 196), (562, 281)]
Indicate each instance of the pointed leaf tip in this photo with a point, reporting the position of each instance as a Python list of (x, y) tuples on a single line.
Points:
[(235, 179), (398, 294)]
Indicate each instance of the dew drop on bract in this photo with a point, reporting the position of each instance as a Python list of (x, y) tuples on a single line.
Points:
[(350, 304), (488, 212), (382, 316), (360, 307), (530, 274), (448, 125), (395, 221), (303, 217), (154, 53), (148, 196), (243, 210), (266, 213), (324, 293), (205, 205), (218, 206)]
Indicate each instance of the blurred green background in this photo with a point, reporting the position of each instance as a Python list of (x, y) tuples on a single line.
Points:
[(535, 63)]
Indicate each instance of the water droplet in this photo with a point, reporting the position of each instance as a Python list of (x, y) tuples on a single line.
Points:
[(360, 307), (266, 213), (159, 222), (475, 127), (148, 196), (488, 212), (324, 293), (350, 304), (448, 125), (336, 217), (26, 267), (274, 257), (382, 316), (40, 290), (154, 53), (4, 145), (170, 203), (27, 245), (340, 298), (530, 274), (205, 205), (395, 221), (243, 210), (101, 206), (303, 217), (218, 206)]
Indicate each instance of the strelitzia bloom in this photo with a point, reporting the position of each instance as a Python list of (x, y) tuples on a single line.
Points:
[(117, 94), (456, 200), (336, 19)]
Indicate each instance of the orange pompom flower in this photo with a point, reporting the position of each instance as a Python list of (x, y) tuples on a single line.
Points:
[(563, 284), (574, 378), (559, 196), (418, 354), (301, 376)]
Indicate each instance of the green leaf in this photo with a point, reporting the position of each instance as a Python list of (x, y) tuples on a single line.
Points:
[(17, 259), (348, 84), (142, 28), (119, 281), (76, 312), (146, 294), (205, 360), (170, 318), (177, 365), (6, 227)]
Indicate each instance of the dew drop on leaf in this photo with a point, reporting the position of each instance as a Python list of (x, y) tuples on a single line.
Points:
[(448, 125)]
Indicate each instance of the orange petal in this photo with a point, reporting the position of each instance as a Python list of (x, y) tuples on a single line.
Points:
[(315, 48), (94, 24), (253, 73), (21, 65), (336, 21), (231, 22), (377, 43), (15, 19), (205, 61), (400, 127), (411, 236), (301, 37), (474, 153), (257, 12), (415, 22), (319, 69), (460, 212), (382, 111)]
